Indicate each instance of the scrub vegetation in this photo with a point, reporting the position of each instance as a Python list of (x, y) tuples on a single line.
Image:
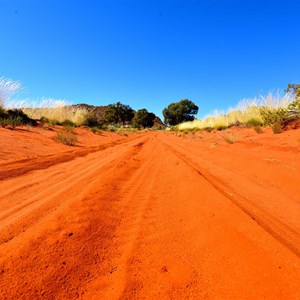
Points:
[(275, 110)]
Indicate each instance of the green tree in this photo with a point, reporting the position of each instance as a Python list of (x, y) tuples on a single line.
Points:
[(143, 118), (179, 112), (118, 113), (294, 89)]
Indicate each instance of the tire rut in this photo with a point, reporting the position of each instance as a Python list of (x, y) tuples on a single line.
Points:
[(283, 233)]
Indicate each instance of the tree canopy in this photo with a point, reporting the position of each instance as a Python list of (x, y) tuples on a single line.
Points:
[(143, 118), (179, 112), (118, 113), (294, 88)]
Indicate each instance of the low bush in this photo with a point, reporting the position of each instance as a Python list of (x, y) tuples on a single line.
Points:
[(66, 138), (54, 122), (95, 130), (67, 122), (220, 127), (257, 129), (254, 122), (14, 118), (277, 128), (273, 116), (10, 121), (91, 119)]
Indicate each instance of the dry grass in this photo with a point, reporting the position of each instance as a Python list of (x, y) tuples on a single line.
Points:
[(246, 111), (229, 138), (67, 138), (51, 109), (8, 88)]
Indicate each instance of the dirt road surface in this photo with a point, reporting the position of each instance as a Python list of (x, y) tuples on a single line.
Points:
[(154, 216)]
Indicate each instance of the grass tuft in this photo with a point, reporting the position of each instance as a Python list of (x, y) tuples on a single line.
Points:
[(257, 129), (229, 138), (276, 128), (66, 138)]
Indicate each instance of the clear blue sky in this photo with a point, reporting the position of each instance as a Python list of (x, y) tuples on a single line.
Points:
[(151, 53)]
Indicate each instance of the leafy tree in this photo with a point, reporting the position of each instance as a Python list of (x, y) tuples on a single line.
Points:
[(294, 89), (118, 113), (179, 112), (143, 118)]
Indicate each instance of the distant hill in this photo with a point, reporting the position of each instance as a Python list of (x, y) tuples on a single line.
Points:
[(100, 111)]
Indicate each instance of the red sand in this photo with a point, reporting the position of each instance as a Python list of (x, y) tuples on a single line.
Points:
[(150, 216)]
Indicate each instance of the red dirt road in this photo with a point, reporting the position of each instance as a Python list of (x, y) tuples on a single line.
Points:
[(154, 216)]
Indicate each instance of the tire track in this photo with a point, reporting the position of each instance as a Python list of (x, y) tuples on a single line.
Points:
[(17, 217), (286, 235), (22, 167)]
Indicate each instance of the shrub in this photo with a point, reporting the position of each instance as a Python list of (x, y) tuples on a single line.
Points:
[(54, 122), (69, 128), (295, 105), (208, 129), (95, 130), (273, 116), (14, 118), (254, 122), (11, 121), (257, 129), (276, 128), (91, 119), (67, 122), (220, 127), (44, 120), (66, 138)]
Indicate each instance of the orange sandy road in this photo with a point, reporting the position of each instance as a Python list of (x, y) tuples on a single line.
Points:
[(150, 218)]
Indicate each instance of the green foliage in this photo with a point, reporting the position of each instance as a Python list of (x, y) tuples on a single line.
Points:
[(91, 119), (10, 121), (294, 89), (254, 122), (174, 128), (54, 122), (68, 123), (295, 105), (14, 118), (143, 118), (95, 130), (272, 116), (66, 138), (276, 128), (179, 112), (118, 113)]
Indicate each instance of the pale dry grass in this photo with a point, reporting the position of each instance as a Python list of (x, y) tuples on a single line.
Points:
[(245, 111), (51, 109), (8, 88)]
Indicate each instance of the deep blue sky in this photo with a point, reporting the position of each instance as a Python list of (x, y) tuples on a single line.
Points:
[(150, 53)]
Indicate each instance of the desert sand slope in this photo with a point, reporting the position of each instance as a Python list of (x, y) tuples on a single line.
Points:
[(155, 216)]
